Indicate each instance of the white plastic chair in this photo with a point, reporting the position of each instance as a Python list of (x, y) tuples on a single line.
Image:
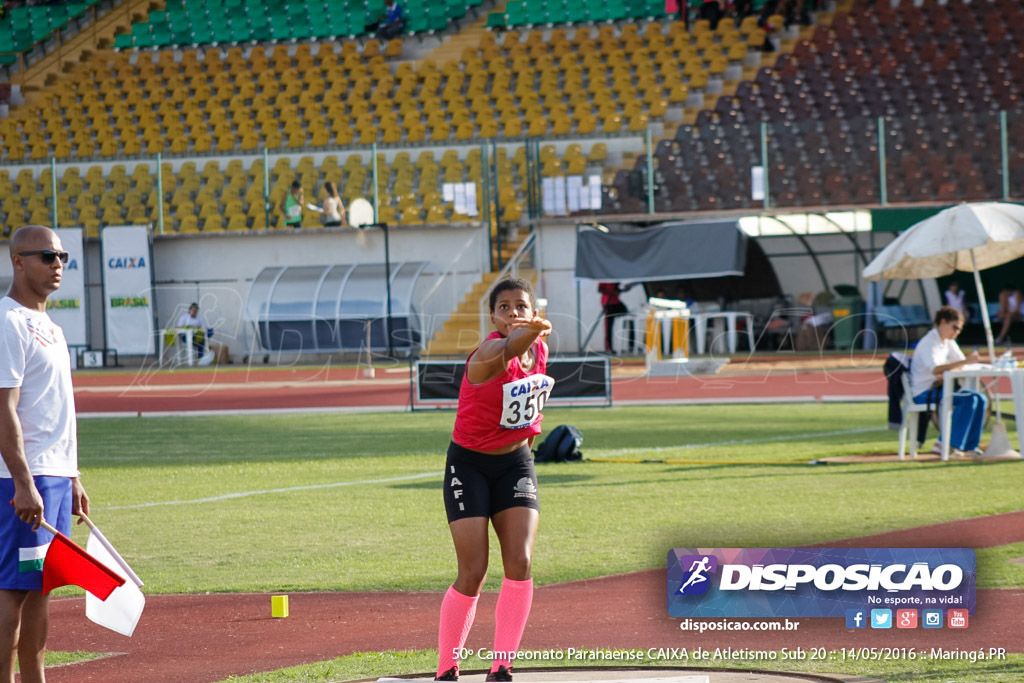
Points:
[(908, 424)]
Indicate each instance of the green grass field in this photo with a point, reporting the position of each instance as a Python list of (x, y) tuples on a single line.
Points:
[(320, 501)]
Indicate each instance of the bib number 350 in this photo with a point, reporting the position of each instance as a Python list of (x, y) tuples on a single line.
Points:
[(523, 400)]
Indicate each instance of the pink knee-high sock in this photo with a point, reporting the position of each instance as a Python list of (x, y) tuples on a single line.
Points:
[(457, 614), (510, 615)]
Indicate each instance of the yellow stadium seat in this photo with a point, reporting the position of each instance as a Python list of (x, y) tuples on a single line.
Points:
[(188, 224), (212, 223), (638, 123), (238, 221), (137, 215)]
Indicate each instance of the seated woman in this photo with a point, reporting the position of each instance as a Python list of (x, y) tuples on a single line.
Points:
[(1011, 306), (936, 353)]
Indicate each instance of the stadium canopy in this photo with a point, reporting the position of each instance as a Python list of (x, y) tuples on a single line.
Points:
[(317, 309), (671, 251)]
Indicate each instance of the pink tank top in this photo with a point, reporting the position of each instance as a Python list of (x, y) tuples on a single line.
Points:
[(505, 409)]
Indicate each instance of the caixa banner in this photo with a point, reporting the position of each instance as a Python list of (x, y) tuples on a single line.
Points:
[(817, 582)]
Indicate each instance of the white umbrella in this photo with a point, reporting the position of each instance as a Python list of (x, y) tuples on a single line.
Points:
[(968, 237)]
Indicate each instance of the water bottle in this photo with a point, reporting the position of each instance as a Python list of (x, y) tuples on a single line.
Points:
[(1007, 361)]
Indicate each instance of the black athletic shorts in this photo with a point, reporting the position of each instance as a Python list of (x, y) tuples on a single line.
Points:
[(481, 485)]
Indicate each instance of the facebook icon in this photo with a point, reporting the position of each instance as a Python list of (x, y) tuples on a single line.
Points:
[(856, 618)]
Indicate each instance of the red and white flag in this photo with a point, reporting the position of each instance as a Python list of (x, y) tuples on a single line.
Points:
[(121, 611), (67, 563)]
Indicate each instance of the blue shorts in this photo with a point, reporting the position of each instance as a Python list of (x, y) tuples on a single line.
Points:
[(22, 550)]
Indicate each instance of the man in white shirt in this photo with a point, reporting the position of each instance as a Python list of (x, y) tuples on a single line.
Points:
[(936, 353), (194, 319), (39, 476)]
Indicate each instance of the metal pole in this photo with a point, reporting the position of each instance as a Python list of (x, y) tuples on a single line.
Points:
[(983, 305), (883, 190), (764, 164), (1004, 149), (387, 281), (579, 307), (538, 179), (650, 170), (497, 214), (376, 197), (266, 190), (529, 179), (160, 193), (485, 185), (53, 189)]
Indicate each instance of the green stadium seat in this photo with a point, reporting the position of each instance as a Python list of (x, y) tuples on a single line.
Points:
[(576, 12), (240, 33), (417, 24), (357, 21), (281, 31), (495, 19), (516, 13), (202, 33)]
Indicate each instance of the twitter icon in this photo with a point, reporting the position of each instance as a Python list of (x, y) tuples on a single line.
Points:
[(881, 618)]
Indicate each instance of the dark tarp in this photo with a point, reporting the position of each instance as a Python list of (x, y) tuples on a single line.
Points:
[(671, 251), (757, 282)]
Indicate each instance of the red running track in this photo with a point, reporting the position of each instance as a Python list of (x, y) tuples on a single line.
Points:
[(205, 638), (306, 388)]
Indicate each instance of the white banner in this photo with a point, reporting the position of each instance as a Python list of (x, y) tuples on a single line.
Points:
[(128, 289), (66, 306)]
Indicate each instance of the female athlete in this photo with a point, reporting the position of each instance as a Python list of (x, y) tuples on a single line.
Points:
[(489, 475)]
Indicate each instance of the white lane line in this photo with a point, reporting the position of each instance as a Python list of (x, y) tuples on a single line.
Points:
[(246, 494), (737, 442)]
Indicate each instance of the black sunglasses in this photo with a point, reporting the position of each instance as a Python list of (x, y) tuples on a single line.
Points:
[(47, 256)]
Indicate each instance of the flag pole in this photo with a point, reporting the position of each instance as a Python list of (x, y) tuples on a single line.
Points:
[(110, 549), (88, 522)]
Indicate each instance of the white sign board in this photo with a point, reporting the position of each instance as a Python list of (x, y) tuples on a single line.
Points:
[(128, 289), (562, 196), (66, 306), (757, 183)]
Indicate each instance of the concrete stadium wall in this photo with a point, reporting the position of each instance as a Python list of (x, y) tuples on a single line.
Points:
[(217, 269)]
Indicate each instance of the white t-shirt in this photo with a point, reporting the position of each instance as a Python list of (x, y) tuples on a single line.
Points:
[(956, 301), (931, 352), (332, 211), (34, 356), (186, 320)]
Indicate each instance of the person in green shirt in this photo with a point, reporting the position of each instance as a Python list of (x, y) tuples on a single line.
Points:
[(291, 206)]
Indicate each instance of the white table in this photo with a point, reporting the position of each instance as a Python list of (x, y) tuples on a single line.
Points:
[(184, 353), (974, 373), (700, 320)]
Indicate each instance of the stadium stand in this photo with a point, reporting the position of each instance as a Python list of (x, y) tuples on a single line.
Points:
[(200, 22), (577, 87), (23, 27)]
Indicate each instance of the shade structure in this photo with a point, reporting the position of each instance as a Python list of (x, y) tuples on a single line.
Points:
[(670, 251), (315, 309)]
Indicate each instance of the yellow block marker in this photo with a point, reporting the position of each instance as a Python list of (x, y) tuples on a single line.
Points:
[(279, 606)]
